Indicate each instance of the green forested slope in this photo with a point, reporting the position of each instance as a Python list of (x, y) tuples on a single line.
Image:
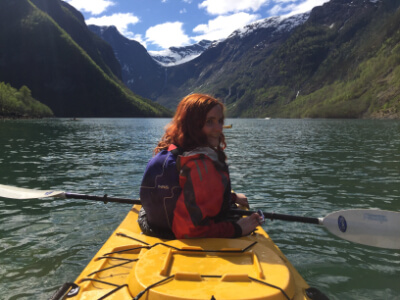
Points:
[(20, 103), (37, 52), (373, 90), (344, 62)]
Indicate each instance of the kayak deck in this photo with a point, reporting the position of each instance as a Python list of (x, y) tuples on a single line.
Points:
[(131, 265)]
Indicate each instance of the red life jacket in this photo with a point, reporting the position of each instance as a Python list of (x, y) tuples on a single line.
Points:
[(202, 207)]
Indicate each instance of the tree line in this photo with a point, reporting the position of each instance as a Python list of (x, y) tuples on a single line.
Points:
[(16, 103)]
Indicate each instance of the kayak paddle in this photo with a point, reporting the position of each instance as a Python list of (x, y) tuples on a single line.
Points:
[(7, 191), (372, 227)]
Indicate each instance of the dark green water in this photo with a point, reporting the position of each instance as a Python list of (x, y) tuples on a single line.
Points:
[(300, 167)]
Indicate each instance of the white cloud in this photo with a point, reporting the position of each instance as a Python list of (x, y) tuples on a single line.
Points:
[(139, 38), (305, 6), (223, 26), (221, 7), (167, 35), (119, 20), (94, 7), (288, 8)]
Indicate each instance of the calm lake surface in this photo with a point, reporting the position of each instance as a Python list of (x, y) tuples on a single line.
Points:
[(300, 167)]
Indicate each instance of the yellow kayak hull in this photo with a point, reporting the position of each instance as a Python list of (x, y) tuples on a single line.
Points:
[(131, 264)]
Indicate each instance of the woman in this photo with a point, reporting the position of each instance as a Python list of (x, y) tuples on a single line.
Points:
[(201, 208)]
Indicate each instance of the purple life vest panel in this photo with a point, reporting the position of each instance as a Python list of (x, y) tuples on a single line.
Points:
[(160, 189)]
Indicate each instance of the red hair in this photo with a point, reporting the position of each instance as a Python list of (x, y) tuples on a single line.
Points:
[(185, 130)]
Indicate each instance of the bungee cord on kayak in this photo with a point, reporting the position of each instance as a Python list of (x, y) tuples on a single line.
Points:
[(115, 266), (178, 249), (177, 276)]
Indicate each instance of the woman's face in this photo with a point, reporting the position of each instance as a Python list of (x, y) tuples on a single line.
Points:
[(213, 125)]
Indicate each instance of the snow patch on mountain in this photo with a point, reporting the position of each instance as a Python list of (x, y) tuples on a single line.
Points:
[(279, 23), (168, 57), (178, 55)]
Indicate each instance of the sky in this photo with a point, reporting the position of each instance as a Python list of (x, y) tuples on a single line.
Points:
[(160, 24)]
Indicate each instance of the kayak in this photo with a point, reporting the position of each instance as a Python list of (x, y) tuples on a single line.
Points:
[(131, 265)]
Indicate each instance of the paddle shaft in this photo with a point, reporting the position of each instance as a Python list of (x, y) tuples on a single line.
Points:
[(274, 216), (104, 198), (271, 216), (23, 193)]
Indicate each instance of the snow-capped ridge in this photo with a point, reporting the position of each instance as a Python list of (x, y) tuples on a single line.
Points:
[(280, 23), (178, 55)]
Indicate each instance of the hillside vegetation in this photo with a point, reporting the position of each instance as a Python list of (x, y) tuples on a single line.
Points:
[(373, 91), (351, 71), (20, 103), (66, 68)]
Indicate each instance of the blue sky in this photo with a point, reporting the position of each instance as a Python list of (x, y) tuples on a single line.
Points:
[(160, 24)]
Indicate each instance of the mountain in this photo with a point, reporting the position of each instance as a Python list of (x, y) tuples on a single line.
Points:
[(178, 55), (167, 85), (221, 68), (125, 49), (341, 60), (140, 72), (47, 47), (146, 73)]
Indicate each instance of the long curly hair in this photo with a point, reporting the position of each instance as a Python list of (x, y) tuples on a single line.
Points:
[(185, 129)]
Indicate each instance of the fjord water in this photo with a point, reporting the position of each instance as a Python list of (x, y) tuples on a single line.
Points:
[(300, 167)]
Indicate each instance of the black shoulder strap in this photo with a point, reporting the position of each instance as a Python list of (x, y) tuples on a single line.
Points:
[(177, 151)]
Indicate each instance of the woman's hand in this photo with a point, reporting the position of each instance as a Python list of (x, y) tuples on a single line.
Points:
[(241, 199), (249, 223)]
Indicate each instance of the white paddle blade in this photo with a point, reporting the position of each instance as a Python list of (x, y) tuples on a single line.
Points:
[(378, 228), (13, 192)]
